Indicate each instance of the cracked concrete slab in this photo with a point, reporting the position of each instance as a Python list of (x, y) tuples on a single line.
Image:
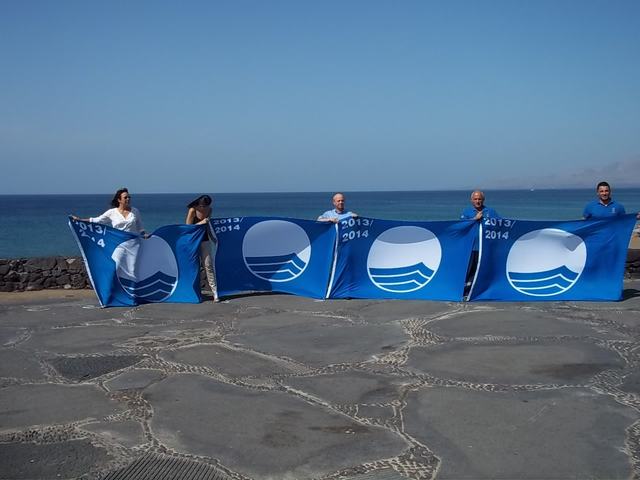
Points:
[(280, 303), (58, 315), (64, 460), (323, 343), (568, 433), (127, 433), (137, 378), (262, 434), (629, 320), (571, 362), (9, 336), (392, 310), (522, 323), (277, 386), (84, 339), (83, 368), (23, 406), (19, 364), (351, 387), (232, 362), (158, 313), (631, 383)]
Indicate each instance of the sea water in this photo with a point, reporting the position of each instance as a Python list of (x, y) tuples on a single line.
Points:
[(36, 225)]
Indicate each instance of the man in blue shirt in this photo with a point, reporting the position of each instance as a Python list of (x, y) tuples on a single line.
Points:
[(338, 213), (478, 210), (604, 206)]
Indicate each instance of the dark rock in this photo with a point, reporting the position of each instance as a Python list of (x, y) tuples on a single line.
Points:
[(61, 264), (74, 265), (63, 279), (29, 268), (12, 276), (78, 281), (34, 277), (50, 282), (4, 268), (39, 264)]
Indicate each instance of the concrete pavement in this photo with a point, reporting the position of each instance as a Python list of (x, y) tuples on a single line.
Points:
[(282, 387)]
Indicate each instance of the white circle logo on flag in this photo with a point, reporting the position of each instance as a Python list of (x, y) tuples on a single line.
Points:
[(276, 250), (546, 262), (404, 259), (147, 269)]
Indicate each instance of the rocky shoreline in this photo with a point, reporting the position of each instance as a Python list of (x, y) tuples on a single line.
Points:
[(31, 274)]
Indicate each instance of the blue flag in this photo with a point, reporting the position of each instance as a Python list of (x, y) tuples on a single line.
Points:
[(538, 261), (126, 269), (267, 254), (402, 260)]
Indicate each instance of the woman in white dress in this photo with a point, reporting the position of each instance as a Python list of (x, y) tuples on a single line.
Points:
[(122, 216), (199, 213)]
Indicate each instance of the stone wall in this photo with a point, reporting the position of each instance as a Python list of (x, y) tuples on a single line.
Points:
[(22, 274), (27, 274)]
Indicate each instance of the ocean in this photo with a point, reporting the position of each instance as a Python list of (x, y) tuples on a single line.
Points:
[(36, 225)]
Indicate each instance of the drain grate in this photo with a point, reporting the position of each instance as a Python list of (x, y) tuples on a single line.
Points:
[(152, 467), (86, 368)]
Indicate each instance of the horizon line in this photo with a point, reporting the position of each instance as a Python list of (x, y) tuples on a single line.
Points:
[(521, 189)]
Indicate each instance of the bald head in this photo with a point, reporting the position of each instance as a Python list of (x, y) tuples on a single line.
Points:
[(338, 202), (477, 199)]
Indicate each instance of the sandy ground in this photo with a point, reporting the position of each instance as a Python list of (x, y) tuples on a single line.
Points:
[(40, 296)]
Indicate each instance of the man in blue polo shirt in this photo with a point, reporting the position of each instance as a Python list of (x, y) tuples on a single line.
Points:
[(477, 210), (338, 213), (604, 206)]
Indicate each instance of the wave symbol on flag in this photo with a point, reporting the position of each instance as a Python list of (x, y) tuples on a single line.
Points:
[(152, 289), (404, 259), (546, 262), (550, 282), (276, 250), (147, 269), (403, 279), (277, 268)]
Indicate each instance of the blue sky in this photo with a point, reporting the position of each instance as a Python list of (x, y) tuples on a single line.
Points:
[(238, 96)]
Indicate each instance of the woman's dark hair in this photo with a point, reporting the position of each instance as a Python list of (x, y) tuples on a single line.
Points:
[(202, 200), (116, 197)]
